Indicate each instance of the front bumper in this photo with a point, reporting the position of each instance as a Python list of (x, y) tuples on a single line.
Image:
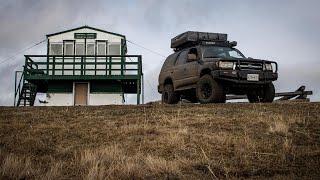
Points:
[(240, 76)]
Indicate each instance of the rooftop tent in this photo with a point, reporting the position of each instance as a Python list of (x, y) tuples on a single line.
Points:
[(194, 37)]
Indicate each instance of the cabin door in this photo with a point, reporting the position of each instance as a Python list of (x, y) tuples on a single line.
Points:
[(80, 94)]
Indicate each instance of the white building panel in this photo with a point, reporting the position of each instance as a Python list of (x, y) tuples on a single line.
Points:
[(67, 99), (55, 99), (96, 99), (100, 36)]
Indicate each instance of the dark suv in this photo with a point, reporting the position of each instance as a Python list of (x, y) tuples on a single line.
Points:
[(205, 67)]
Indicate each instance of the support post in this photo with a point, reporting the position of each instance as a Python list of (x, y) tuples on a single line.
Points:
[(110, 61), (138, 91), (48, 59), (81, 65), (142, 88), (15, 88), (53, 65)]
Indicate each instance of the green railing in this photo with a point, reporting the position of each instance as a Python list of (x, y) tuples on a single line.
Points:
[(83, 67)]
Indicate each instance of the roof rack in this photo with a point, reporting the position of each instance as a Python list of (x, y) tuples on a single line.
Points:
[(189, 38)]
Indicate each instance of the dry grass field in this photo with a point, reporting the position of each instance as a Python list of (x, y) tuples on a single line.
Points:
[(239, 140)]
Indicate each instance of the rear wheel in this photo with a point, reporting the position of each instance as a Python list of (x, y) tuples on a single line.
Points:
[(266, 94), (209, 91), (169, 96)]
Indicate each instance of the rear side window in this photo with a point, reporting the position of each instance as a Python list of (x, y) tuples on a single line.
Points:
[(169, 62), (182, 59)]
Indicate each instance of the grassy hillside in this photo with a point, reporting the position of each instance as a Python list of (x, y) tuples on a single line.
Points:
[(167, 142)]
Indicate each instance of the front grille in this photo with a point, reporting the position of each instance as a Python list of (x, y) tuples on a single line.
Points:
[(251, 66)]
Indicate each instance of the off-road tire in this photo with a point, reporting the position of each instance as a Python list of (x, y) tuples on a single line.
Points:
[(269, 93), (253, 97), (209, 91), (169, 96), (223, 98), (264, 95)]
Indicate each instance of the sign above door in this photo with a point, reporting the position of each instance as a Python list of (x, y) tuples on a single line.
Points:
[(85, 35)]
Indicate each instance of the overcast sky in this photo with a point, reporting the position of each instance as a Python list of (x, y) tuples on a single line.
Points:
[(284, 31)]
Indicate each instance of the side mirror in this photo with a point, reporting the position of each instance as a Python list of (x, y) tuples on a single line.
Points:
[(233, 43), (191, 57)]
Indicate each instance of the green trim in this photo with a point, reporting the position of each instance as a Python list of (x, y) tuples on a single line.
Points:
[(83, 77), (60, 87), (40, 69), (105, 86), (48, 46), (58, 91)]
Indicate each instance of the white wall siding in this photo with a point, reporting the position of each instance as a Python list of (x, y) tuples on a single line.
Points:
[(57, 99), (67, 99), (100, 36), (96, 99)]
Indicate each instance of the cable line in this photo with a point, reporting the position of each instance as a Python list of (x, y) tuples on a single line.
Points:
[(21, 51), (154, 52)]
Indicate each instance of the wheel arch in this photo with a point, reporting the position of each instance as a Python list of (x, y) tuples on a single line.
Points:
[(205, 71), (168, 80)]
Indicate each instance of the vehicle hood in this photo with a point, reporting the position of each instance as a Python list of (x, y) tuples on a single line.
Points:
[(238, 59)]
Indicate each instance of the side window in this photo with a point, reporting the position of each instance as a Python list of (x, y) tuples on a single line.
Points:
[(114, 49), (56, 49), (80, 49), (68, 48), (101, 48), (170, 61), (182, 58), (192, 55), (90, 49)]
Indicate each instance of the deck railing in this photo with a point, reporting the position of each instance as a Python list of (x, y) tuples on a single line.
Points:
[(116, 66)]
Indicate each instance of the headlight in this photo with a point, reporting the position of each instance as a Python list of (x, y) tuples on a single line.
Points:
[(226, 65), (267, 67)]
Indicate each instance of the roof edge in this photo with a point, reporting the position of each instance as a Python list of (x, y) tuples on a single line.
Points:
[(81, 27)]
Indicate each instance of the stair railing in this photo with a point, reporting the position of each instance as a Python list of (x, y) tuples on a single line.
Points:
[(18, 88), (29, 64)]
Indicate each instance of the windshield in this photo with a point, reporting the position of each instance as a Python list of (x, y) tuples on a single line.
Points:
[(221, 52)]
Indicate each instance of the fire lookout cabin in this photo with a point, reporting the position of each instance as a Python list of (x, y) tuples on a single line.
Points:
[(83, 66)]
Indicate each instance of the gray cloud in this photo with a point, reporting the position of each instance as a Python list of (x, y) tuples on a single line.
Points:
[(285, 31)]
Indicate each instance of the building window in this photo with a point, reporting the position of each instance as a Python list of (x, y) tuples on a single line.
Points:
[(90, 49), (80, 49), (68, 48), (101, 48), (114, 49), (56, 49)]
